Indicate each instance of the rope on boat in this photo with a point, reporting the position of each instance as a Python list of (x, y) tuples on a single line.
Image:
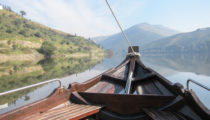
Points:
[(133, 54), (118, 23)]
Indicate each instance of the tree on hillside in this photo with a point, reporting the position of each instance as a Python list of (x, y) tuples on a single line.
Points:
[(7, 8), (22, 13), (47, 49)]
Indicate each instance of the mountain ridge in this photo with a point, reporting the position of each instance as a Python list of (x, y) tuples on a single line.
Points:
[(139, 34), (195, 41)]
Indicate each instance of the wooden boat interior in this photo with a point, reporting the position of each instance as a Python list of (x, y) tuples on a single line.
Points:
[(130, 91), (148, 90)]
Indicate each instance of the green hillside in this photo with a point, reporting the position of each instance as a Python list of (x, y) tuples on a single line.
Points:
[(19, 36)]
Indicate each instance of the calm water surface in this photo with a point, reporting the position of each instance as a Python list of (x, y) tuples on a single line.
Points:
[(176, 68)]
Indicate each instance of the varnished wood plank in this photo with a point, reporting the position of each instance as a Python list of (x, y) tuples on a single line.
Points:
[(86, 114), (76, 97), (78, 113), (59, 109), (72, 111), (64, 114), (194, 102), (161, 115), (141, 78), (56, 98), (124, 63), (113, 80), (97, 87), (176, 104), (148, 87), (85, 85), (119, 71), (126, 104), (56, 113)]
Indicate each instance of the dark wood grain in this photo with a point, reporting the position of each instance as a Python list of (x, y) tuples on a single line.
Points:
[(193, 101), (69, 112), (162, 115), (56, 98), (126, 104), (135, 48)]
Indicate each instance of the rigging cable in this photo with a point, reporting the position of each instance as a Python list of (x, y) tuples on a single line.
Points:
[(120, 26)]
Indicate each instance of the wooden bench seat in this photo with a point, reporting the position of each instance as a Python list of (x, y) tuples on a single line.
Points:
[(163, 115), (68, 112)]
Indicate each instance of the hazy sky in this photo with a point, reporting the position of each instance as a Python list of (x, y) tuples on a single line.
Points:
[(92, 17)]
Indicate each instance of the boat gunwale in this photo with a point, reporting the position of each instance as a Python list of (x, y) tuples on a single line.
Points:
[(38, 106)]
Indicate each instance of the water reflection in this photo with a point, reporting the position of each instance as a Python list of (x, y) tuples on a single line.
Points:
[(181, 67), (177, 68), (195, 63), (22, 73)]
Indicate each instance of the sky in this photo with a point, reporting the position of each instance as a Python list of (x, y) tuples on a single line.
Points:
[(91, 18)]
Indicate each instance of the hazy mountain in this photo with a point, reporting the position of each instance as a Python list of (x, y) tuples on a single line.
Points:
[(139, 34), (196, 41)]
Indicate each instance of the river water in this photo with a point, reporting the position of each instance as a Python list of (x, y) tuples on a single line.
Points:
[(176, 68)]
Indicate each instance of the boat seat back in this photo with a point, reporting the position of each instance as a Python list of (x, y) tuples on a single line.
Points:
[(124, 103)]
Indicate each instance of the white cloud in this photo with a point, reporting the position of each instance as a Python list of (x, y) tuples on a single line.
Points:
[(84, 17), (75, 16), (92, 17), (78, 17)]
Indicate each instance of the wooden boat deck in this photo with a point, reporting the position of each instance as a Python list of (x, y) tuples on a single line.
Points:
[(130, 91), (163, 115), (67, 112)]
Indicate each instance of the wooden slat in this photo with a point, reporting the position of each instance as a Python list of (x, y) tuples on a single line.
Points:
[(63, 114), (120, 72), (82, 112), (69, 112), (126, 104), (77, 99), (148, 87), (101, 87), (162, 115), (113, 80), (141, 78), (97, 87), (56, 98)]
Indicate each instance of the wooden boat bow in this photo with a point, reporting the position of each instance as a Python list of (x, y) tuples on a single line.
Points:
[(130, 91)]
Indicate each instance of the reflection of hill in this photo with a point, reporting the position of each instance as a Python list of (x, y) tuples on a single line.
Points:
[(49, 69), (197, 63), (111, 62)]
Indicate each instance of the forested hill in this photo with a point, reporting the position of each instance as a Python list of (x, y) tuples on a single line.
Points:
[(20, 36), (190, 42)]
